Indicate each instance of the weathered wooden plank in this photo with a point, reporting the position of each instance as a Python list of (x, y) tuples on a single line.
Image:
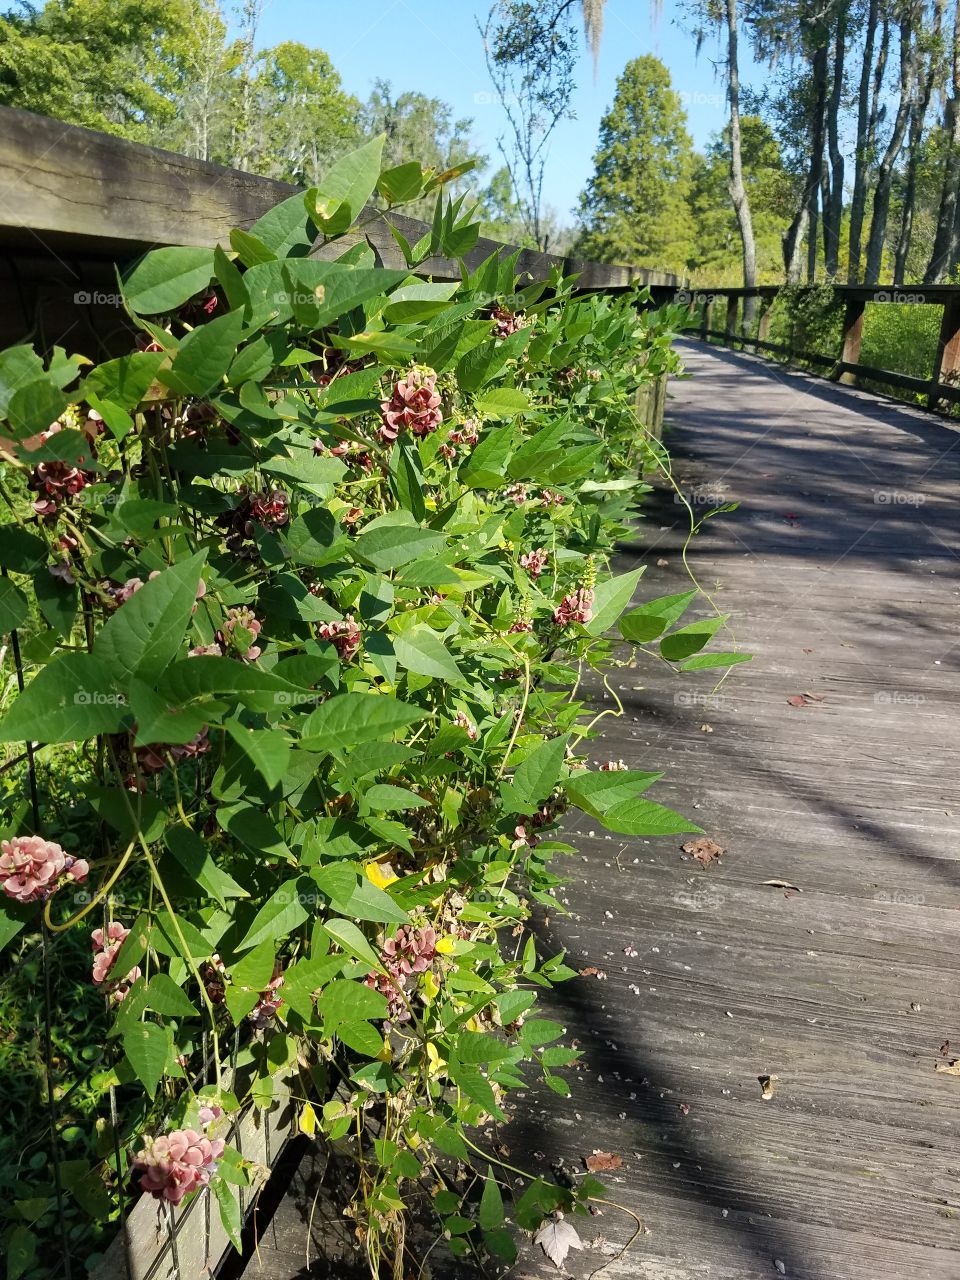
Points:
[(846, 990), (73, 189)]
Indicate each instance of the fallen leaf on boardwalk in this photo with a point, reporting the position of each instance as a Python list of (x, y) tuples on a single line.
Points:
[(662, 564), (808, 651), (704, 850), (804, 699), (948, 1068), (766, 1087), (592, 971), (556, 1239), (782, 884), (706, 728), (602, 1160)]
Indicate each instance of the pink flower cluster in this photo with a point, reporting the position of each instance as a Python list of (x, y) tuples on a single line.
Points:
[(517, 493), (550, 498), (575, 607), (105, 950), (411, 950), (613, 766), (32, 868), (240, 620), (173, 1166), (535, 561), (414, 404), (464, 722), (344, 635), (505, 322), (268, 509), (265, 1010), (53, 482), (464, 437), (153, 759)]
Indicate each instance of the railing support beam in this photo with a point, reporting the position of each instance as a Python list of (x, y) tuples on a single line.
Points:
[(730, 329), (946, 366), (852, 340)]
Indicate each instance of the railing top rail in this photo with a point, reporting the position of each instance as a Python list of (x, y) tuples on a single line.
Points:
[(75, 189), (903, 293)]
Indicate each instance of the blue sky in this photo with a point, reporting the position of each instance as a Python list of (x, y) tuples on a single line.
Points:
[(433, 46)]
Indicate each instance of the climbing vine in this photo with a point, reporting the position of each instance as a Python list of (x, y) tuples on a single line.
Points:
[(310, 577)]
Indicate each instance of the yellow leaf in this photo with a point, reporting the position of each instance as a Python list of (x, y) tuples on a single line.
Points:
[(308, 1121), (436, 1063), (430, 987), (445, 946), (381, 873)]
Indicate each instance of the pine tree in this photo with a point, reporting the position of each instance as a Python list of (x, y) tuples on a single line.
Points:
[(635, 208)]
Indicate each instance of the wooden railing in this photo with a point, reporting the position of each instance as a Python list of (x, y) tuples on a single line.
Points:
[(73, 203), (844, 365)]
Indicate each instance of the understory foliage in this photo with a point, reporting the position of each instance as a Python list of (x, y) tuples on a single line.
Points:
[(310, 577)]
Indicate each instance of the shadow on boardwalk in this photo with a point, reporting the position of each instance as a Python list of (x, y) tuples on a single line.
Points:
[(821, 950)]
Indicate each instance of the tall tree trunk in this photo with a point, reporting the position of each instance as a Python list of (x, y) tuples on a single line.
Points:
[(921, 101), (946, 243), (867, 116), (819, 67), (833, 200), (738, 192), (881, 196), (793, 244)]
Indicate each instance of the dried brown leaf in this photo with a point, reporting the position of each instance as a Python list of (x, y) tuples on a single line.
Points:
[(704, 850), (948, 1068), (601, 1161), (782, 884)]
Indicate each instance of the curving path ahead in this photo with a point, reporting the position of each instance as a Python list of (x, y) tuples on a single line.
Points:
[(841, 570)]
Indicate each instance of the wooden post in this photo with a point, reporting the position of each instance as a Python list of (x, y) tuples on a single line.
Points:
[(730, 329), (708, 316), (763, 325), (852, 338), (946, 366)]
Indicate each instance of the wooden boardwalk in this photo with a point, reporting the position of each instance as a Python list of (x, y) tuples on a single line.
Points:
[(841, 570)]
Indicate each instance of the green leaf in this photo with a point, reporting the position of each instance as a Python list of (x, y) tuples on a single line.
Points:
[(346, 187), (534, 778), (70, 700), (145, 634), (390, 545), (368, 902), (707, 660), (420, 649), (228, 1202), (165, 997), (385, 797), (691, 638), (401, 183), (502, 402), (14, 606), (362, 1037), (21, 552), (644, 818), (193, 854), (349, 937), (354, 718), (267, 749), (251, 251), (18, 367), (283, 911), (124, 381), (345, 1001), (285, 227), (652, 619), (315, 538), (610, 598), (59, 602), (204, 356), (167, 278), (595, 793), (477, 1046), (32, 408), (405, 474), (254, 970), (490, 1214), (485, 466), (145, 1045), (21, 1247)]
